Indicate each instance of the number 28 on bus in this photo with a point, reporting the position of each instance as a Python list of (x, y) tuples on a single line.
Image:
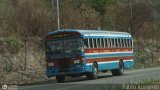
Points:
[(87, 52)]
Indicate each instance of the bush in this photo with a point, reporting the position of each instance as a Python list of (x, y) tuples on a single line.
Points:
[(12, 45)]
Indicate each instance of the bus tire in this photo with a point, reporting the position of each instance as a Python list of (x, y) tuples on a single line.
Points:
[(60, 78), (94, 74), (120, 71)]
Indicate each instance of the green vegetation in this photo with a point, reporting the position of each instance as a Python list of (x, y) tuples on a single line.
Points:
[(34, 18), (12, 44), (48, 4), (24, 23), (1, 1), (150, 82), (100, 5)]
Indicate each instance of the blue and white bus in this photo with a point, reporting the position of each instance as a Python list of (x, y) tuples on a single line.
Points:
[(72, 53)]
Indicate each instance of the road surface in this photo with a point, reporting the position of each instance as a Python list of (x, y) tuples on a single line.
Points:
[(105, 80)]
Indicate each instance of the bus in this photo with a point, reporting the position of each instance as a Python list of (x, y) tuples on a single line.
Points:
[(75, 53)]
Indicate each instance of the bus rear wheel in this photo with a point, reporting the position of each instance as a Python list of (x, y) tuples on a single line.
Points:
[(94, 74), (60, 78), (120, 71)]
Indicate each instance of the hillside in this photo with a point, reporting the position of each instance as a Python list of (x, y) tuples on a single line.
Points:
[(14, 57), (24, 23)]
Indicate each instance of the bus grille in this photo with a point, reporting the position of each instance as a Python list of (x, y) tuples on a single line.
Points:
[(63, 64)]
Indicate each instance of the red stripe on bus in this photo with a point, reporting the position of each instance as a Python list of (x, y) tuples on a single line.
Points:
[(95, 50), (109, 59)]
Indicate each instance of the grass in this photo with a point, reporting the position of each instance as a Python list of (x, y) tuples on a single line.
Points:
[(151, 82), (13, 45), (1, 1)]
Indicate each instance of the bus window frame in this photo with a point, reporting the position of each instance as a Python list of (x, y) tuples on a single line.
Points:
[(110, 43), (93, 42), (104, 42), (129, 43), (88, 43), (126, 43), (121, 43), (100, 42), (113, 43)]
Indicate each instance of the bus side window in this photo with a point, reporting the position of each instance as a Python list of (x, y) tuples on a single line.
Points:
[(123, 44), (85, 43), (94, 42), (119, 42), (98, 43), (102, 42), (116, 43), (90, 43), (128, 42), (105, 43), (109, 43), (113, 43)]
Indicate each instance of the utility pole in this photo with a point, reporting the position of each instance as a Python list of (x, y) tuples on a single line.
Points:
[(58, 15), (55, 12), (131, 17), (53, 9)]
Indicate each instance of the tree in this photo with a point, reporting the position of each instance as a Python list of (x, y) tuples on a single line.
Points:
[(25, 19), (101, 7), (81, 17), (132, 23)]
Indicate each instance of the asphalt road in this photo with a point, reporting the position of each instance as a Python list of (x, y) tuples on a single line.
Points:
[(105, 80)]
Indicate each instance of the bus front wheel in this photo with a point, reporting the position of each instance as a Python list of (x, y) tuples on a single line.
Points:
[(60, 78), (120, 71), (94, 74)]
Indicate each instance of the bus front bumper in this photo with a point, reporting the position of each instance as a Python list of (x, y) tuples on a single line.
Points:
[(53, 71)]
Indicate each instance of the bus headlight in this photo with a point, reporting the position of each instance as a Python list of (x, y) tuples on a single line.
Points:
[(50, 64), (76, 61)]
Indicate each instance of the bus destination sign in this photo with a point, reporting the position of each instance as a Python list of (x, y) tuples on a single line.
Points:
[(62, 35)]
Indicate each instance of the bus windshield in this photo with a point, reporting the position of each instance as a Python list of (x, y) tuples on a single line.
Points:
[(64, 46)]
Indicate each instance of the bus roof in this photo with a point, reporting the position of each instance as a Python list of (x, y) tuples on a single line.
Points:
[(88, 33)]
